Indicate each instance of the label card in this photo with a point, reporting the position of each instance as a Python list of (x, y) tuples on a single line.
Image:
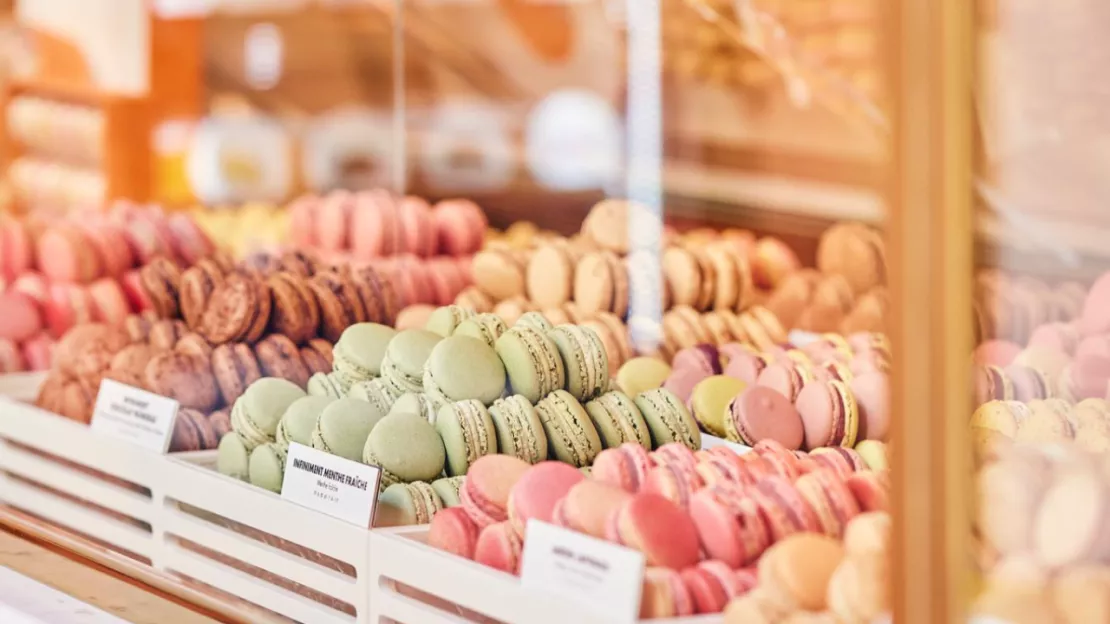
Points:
[(593, 572), (331, 485), (134, 415), (710, 441)]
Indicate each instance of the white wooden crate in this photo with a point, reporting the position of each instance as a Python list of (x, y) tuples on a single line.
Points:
[(174, 514), (413, 583)]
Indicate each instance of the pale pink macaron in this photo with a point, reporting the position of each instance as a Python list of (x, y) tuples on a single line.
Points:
[(109, 301), (65, 254), (190, 242), (373, 232), (38, 352), (68, 305), (1063, 337), (11, 358), (485, 493), (625, 466), (22, 316), (110, 243), (418, 232), (538, 490), (499, 547), (414, 316), (445, 279), (460, 226), (333, 220), (34, 285), (1094, 319), (681, 382), (996, 353), (137, 298), (17, 248), (464, 264), (302, 222), (587, 507), (147, 238)]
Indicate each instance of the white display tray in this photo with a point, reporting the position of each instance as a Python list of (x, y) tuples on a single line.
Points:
[(173, 522)]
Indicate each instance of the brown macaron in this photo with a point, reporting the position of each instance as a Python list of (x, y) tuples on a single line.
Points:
[(294, 311), (220, 421), (707, 292), (185, 378), (129, 365), (314, 361), (854, 251), (235, 368), (279, 357), (77, 400), (186, 436), (137, 327), (339, 301), (235, 310), (206, 437), (194, 344), (299, 262), (197, 284), (379, 297), (160, 280)]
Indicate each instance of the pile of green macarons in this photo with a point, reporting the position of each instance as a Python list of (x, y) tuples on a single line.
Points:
[(425, 404)]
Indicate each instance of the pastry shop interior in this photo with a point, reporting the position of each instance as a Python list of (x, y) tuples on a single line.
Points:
[(286, 284)]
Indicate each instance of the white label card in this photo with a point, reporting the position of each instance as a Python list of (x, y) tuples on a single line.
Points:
[(710, 441), (599, 575), (134, 415), (331, 485)]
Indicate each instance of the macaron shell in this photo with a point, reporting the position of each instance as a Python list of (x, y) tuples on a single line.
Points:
[(571, 435), (537, 491), (762, 413), (709, 401)]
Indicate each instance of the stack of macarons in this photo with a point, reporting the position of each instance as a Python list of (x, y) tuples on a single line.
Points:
[(702, 519), (164, 357), (813, 301), (1041, 530), (373, 224), (813, 578), (997, 424), (83, 268), (831, 392)]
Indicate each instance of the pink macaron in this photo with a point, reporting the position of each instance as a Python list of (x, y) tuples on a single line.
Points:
[(625, 466), (373, 232), (1063, 337), (664, 595), (1090, 369), (133, 290), (587, 506), (68, 305), (731, 527), (485, 493), (996, 353), (110, 303), (657, 527), (702, 357), (17, 248), (681, 382), (11, 357), (460, 226), (65, 254), (499, 546), (414, 316), (418, 233), (453, 530), (149, 236), (38, 352), (22, 316), (34, 285), (333, 220), (190, 242), (746, 366), (1094, 319), (302, 222), (110, 243), (674, 482), (538, 490), (760, 413)]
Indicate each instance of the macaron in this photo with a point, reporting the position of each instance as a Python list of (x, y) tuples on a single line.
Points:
[(267, 466), (461, 368), (872, 394), (256, 415), (485, 493), (358, 354), (618, 420), (233, 458), (417, 404), (467, 432), (344, 426), (406, 447), (588, 506), (536, 321), (642, 374), (797, 570), (299, 420), (760, 413), (709, 401), (402, 365), (830, 416), (658, 528), (453, 531), (830, 499), (667, 419), (625, 466), (500, 547), (532, 362), (536, 492), (584, 360), (407, 504), (665, 594), (446, 319), (520, 432), (571, 435), (731, 528), (486, 327), (448, 490)]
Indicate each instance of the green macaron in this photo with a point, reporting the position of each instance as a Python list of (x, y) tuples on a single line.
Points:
[(519, 430), (584, 360), (232, 457), (467, 432), (344, 426), (448, 490), (462, 368), (256, 414), (403, 367), (377, 392), (485, 327), (322, 385), (406, 448), (267, 466), (571, 436), (300, 420), (618, 420), (417, 404), (535, 320), (445, 320), (406, 504), (668, 419), (532, 362), (358, 354)]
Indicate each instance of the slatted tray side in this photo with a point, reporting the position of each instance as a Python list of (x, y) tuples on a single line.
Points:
[(223, 533)]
